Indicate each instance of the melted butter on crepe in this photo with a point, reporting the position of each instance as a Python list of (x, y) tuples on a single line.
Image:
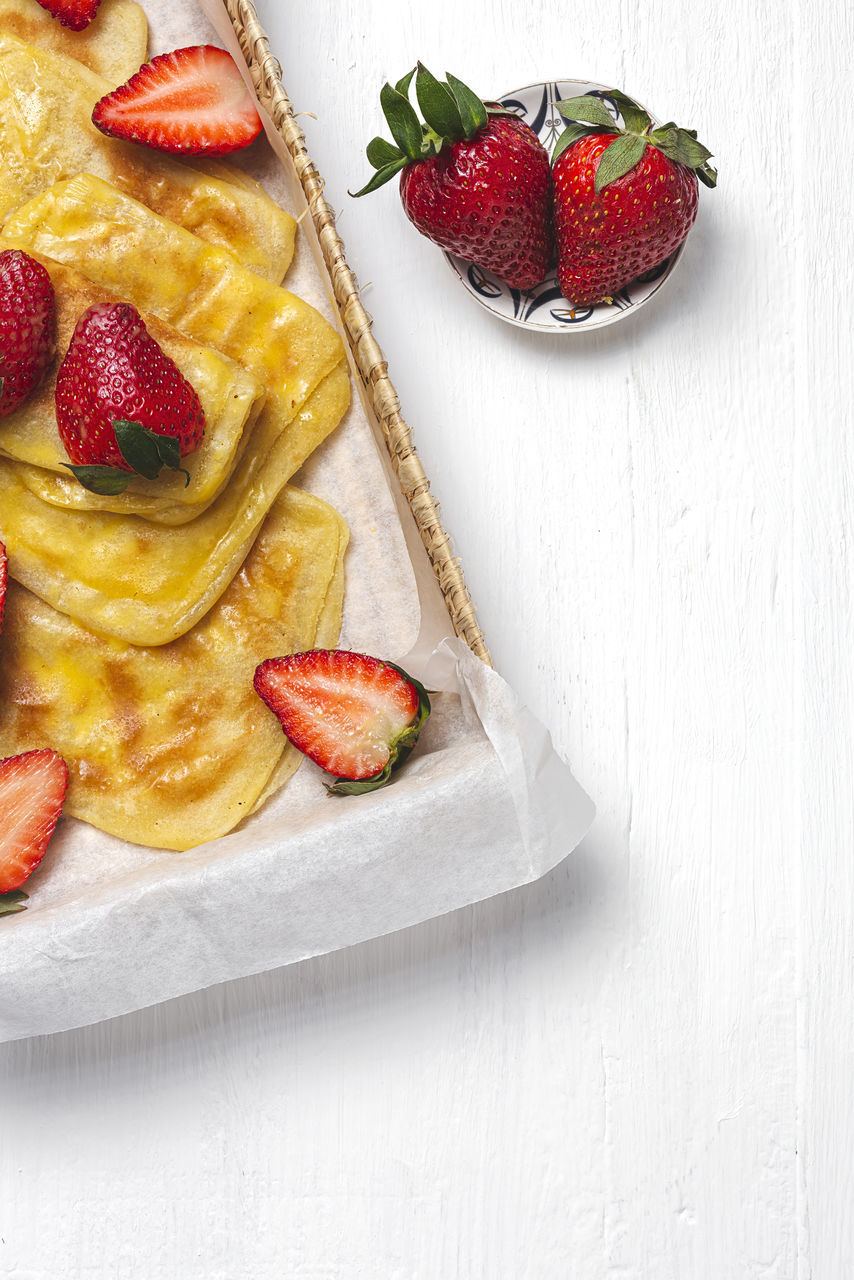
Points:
[(229, 394), (172, 746), (114, 44), (46, 133), (146, 583)]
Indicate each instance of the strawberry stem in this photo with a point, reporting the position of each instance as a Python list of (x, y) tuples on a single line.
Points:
[(12, 902), (589, 115), (452, 112)]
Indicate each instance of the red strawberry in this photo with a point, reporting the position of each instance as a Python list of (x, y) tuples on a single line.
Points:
[(624, 198), (27, 326), (32, 793), (75, 14), (356, 717), (122, 405), (3, 572), (192, 101), (475, 179)]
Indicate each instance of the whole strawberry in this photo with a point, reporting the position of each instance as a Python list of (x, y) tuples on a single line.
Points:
[(474, 179), (624, 198), (27, 326), (122, 406)]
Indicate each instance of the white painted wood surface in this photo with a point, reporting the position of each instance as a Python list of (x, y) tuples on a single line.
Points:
[(641, 1067)]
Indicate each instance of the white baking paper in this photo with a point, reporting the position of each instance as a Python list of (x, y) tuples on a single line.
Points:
[(484, 804)]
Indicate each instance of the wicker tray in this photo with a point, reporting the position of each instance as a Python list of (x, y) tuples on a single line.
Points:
[(379, 393)]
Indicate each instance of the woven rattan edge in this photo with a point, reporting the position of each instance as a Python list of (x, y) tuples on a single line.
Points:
[(367, 355)]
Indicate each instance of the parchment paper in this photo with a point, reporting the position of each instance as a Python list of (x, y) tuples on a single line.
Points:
[(484, 804)]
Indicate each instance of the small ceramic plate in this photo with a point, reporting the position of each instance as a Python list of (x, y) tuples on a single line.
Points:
[(545, 307)]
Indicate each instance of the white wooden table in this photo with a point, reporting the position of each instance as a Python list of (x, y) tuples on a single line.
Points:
[(642, 1067)]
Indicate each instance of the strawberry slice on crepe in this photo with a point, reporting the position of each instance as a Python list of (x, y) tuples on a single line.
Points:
[(355, 716), (32, 793), (191, 101)]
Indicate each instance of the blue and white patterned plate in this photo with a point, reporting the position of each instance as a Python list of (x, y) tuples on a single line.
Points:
[(545, 308)]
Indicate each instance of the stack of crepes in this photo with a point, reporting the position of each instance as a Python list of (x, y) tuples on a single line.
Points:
[(134, 623)]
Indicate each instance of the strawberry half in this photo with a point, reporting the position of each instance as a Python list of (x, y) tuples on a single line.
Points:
[(27, 326), (32, 793), (122, 406), (355, 716), (474, 179), (625, 197), (75, 14), (190, 102)]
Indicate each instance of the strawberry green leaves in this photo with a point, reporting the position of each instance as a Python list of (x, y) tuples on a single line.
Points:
[(439, 106), (402, 121), (635, 118), (682, 146), (12, 902), (588, 115), (146, 452), (473, 113), (451, 113), (571, 134), (622, 156), (588, 110), (381, 153)]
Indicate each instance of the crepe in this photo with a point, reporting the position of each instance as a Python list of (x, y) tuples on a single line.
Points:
[(145, 583), (158, 580), (230, 397), (114, 44), (46, 133), (201, 290), (172, 746)]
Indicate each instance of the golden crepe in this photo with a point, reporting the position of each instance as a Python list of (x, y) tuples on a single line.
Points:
[(46, 133), (114, 44), (146, 583), (229, 394), (172, 746)]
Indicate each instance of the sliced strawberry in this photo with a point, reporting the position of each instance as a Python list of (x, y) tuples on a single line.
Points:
[(191, 101), (3, 572), (27, 326), (355, 716), (32, 793), (75, 14)]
